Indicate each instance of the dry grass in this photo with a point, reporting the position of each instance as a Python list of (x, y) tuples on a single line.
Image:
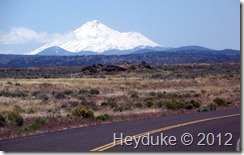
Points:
[(203, 90), (113, 88)]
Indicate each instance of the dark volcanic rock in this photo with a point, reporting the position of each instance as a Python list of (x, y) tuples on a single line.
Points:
[(112, 68)]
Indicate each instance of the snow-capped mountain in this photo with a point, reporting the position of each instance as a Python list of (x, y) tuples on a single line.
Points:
[(96, 37)]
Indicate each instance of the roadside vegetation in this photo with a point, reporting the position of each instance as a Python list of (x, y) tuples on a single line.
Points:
[(103, 95)]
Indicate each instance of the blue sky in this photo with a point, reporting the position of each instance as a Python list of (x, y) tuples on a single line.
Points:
[(26, 24)]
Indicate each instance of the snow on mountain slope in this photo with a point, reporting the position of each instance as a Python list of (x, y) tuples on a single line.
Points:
[(97, 37)]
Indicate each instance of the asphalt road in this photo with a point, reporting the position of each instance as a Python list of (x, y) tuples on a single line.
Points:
[(210, 131)]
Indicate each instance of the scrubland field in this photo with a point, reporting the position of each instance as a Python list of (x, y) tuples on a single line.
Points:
[(38, 100)]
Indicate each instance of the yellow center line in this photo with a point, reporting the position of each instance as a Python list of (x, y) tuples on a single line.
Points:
[(112, 144)]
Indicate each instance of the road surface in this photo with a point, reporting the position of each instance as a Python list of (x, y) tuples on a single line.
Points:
[(210, 131)]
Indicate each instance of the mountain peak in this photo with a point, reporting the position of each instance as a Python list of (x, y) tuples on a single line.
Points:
[(91, 29), (97, 37), (94, 22)]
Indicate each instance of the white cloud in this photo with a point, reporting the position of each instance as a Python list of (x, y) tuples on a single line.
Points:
[(18, 35)]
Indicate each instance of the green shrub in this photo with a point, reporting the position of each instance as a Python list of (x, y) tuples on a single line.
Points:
[(149, 99), (152, 93), (22, 128), (171, 105), (203, 109), (203, 91), (15, 119), (36, 124), (40, 95), (17, 84), (189, 106), (160, 95), (134, 95), (228, 103), (94, 91), (128, 106), (67, 92), (18, 109), (83, 91), (212, 107), (41, 121), (9, 82), (197, 95), (81, 97), (175, 105), (2, 121), (110, 102), (104, 104), (59, 95), (13, 94), (5, 93), (170, 95), (180, 104), (185, 95), (148, 103), (82, 112), (219, 101), (88, 92), (64, 106), (20, 94), (73, 104), (103, 117), (31, 111), (43, 97), (120, 109), (45, 85), (159, 104), (90, 104), (195, 104), (37, 92), (139, 105)]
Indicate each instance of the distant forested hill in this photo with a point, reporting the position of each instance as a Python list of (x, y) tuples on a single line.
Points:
[(166, 57)]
